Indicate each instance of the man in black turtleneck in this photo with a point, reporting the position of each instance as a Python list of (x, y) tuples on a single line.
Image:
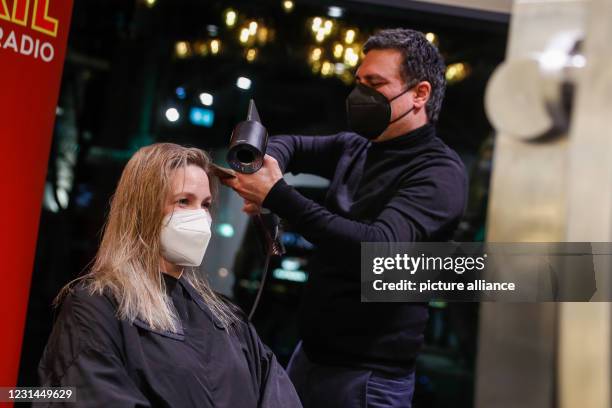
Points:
[(392, 180)]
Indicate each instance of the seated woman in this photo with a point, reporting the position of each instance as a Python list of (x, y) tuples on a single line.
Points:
[(142, 327)]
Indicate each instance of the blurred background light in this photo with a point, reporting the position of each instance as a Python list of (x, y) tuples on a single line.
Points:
[(288, 6), (172, 114), (202, 117), (335, 12), (225, 230), (230, 18), (206, 99), (243, 83), (292, 276)]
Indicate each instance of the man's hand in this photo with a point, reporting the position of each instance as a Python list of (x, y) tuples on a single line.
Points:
[(255, 187)]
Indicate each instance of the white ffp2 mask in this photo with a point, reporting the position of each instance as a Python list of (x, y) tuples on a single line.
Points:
[(184, 237)]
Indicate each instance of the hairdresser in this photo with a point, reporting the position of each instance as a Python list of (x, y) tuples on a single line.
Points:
[(392, 180)]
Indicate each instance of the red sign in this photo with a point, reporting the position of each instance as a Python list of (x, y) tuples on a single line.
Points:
[(33, 36)]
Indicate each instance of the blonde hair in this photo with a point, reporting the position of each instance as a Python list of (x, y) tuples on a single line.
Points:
[(128, 261)]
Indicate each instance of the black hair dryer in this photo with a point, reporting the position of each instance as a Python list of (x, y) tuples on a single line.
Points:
[(248, 143), (245, 155)]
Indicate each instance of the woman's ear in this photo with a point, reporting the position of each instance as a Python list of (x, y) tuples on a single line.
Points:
[(421, 94)]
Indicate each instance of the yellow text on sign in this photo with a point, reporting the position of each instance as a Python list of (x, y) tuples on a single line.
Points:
[(41, 21)]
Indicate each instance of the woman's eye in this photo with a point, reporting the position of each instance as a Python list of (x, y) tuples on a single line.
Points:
[(205, 205), (183, 201)]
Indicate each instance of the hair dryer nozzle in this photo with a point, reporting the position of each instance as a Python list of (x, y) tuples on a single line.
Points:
[(248, 143)]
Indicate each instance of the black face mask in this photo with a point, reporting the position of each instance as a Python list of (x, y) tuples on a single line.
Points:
[(369, 111)]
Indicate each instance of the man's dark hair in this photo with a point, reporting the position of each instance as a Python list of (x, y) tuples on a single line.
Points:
[(422, 62)]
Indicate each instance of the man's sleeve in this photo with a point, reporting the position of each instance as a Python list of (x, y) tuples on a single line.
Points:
[(429, 206), (306, 154), (81, 353)]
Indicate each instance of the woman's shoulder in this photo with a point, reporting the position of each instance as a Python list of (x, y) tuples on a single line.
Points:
[(85, 321), (86, 302), (87, 312)]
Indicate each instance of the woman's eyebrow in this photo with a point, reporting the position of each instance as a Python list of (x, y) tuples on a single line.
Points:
[(191, 195)]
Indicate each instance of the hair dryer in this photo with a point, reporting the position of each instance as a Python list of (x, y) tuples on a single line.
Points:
[(248, 143), (246, 155)]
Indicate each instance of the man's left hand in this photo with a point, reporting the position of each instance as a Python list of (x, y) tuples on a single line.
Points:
[(255, 187)]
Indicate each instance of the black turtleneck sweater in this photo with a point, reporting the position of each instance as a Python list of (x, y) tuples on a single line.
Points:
[(410, 188)]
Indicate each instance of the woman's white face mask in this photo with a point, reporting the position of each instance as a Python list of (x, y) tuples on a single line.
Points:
[(185, 235)]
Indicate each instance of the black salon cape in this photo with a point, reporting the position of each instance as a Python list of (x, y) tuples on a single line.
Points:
[(114, 363)]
